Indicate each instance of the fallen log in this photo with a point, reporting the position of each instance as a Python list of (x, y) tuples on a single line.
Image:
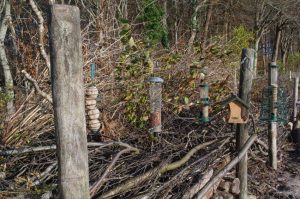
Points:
[(229, 166)]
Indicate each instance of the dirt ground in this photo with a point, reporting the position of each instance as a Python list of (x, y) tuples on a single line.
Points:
[(288, 181)]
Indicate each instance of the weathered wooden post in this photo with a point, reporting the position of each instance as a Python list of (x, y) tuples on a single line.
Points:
[(155, 104), (246, 77), (273, 83), (296, 93), (68, 101)]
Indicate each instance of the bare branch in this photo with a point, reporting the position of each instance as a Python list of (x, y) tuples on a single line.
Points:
[(97, 185), (41, 31), (37, 88)]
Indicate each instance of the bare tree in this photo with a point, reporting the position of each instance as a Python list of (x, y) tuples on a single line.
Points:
[(286, 41), (194, 21), (264, 17), (5, 18)]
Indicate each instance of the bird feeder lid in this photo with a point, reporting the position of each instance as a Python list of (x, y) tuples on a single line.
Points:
[(156, 80), (273, 65), (235, 98), (204, 85)]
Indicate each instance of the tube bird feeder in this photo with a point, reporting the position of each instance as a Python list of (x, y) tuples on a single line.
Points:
[(204, 102), (273, 74), (155, 92)]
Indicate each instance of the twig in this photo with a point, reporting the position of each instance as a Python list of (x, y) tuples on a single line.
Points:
[(200, 184), (53, 147), (195, 188), (41, 31), (38, 179), (97, 185), (229, 166), (262, 144), (37, 88), (127, 185), (27, 150), (175, 180)]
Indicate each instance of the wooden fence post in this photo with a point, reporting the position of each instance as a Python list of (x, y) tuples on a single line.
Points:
[(246, 77), (273, 84), (68, 101), (296, 87)]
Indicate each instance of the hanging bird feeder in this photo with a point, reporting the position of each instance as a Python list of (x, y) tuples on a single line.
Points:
[(93, 113), (155, 104), (204, 102), (236, 105)]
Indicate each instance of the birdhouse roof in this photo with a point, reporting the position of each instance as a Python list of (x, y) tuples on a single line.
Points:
[(235, 98)]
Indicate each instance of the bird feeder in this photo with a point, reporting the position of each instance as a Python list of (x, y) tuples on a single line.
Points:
[(274, 86), (273, 73), (204, 102), (236, 105), (155, 104), (93, 113)]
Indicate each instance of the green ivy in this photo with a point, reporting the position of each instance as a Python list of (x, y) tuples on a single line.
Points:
[(241, 38), (281, 66), (4, 98), (151, 17), (133, 69), (294, 60)]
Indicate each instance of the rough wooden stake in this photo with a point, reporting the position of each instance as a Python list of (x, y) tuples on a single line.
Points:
[(246, 76), (273, 80), (295, 112), (241, 155), (68, 101)]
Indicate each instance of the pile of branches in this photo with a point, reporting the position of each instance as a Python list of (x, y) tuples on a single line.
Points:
[(134, 167)]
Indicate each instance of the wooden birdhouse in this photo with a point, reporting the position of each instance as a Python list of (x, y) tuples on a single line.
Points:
[(235, 105)]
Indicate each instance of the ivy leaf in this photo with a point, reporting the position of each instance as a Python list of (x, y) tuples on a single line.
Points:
[(186, 100)]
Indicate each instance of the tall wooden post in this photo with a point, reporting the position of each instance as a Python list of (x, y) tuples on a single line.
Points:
[(273, 83), (296, 91), (68, 101), (246, 77)]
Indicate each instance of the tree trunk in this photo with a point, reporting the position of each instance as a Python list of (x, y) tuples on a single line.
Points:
[(194, 25), (165, 39), (176, 24), (277, 43), (207, 22), (256, 46), (9, 83)]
